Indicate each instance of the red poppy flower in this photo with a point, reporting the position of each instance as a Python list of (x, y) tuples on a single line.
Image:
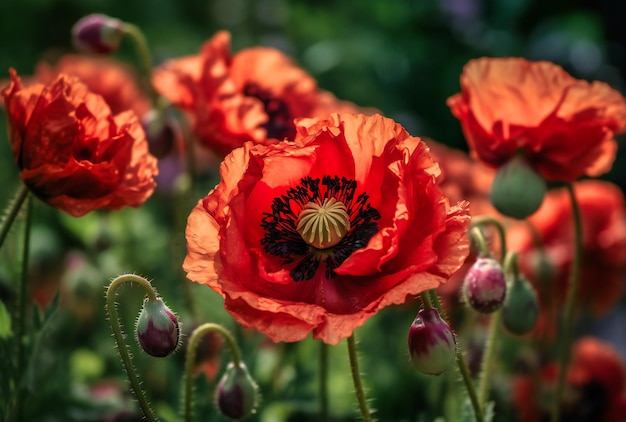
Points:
[(320, 234), (253, 95), (564, 126), (113, 80), (72, 152), (594, 386), (548, 235)]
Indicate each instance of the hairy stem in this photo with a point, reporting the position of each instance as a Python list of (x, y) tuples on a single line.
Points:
[(12, 211), (323, 379), (570, 301), (111, 308), (356, 378)]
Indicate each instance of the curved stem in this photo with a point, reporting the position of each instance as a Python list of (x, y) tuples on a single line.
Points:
[(486, 219), (190, 359), (356, 378), (323, 378), (479, 238), (487, 361), (141, 45), (111, 308), (570, 301), (12, 211), (462, 365)]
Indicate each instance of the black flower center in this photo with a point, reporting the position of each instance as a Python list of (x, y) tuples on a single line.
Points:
[(282, 239), (279, 123)]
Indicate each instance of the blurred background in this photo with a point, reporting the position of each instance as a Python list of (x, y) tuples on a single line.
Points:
[(403, 57)]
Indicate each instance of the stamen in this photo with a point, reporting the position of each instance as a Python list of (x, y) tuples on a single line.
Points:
[(323, 226)]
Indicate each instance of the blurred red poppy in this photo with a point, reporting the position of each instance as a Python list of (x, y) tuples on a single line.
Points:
[(546, 247), (72, 152), (594, 387), (564, 126), (113, 80), (253, 95), (320, 234)]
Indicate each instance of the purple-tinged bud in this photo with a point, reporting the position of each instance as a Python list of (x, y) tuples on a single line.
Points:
[(517, 190), (521, 308), (237, 393), (432, 344), (157, 329), (97, 33), (484, 286)]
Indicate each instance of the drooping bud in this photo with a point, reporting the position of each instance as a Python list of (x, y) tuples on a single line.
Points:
[(157, 329), (432, 344), (517, 190), (163, 131), (237, 393), (484, 286), (521, 308), (97, 33)]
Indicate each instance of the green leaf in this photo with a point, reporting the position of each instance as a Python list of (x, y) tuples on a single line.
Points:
[(5, 322)]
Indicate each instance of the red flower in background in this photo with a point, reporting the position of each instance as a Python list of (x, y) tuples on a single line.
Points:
[(564, 126), (253, 95), (551, 236), (594, 387), (72, 152), (113, 80), (386, 230)]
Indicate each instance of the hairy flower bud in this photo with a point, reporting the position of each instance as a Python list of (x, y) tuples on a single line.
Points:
[(484, 286), (97, 33), (432, 344), (521, 308), (517, 190), (157, 328), (236, 394)]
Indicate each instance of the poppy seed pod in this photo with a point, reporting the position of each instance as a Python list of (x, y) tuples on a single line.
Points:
[(236, 394), (517, 190), (484, 286), (521, 308), (97, 33), (432, 344), (157, 328)]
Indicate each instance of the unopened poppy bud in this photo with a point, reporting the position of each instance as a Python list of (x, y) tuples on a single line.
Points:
[(432, 344), (157, 329), (162, 132), (484, 286), (236, 394), (521, 308), (97, 33), (517, 190)]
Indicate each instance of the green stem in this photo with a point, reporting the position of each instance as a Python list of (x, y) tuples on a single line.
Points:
[(12, 211), (479, 238), (487, 360), (111, 308), (570, 301), (141, 45), (462, 365), (323, 377), (484, 220), (190, 359), (20, 316), (426, 301), (356, 378)]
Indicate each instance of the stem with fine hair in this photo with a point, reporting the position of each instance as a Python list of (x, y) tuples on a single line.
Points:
[(570, 301), (484, 220), (12, 211), (111, 308), (323, 377), (356, 378), (487, 360), (190, 359), (462, 365)]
